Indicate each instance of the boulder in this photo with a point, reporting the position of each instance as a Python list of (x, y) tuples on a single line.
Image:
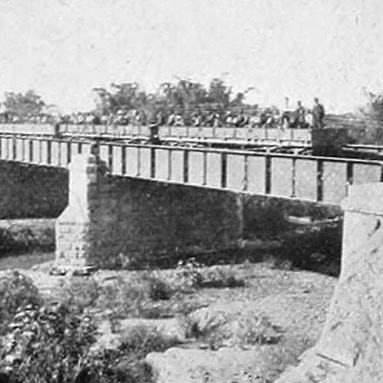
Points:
[(195, 366)]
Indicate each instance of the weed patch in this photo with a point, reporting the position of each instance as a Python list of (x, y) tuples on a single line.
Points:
[(219, 328), (159, 289), (192, 274)]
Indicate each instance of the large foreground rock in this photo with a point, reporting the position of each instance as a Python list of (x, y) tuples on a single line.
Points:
[(226, 365)]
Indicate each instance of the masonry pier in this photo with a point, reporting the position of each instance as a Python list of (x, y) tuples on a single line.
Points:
[(111, 221)]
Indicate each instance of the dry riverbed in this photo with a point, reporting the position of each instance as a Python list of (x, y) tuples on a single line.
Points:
[(232, 323)]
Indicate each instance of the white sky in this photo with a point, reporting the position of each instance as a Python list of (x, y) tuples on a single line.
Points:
[(298, 48)]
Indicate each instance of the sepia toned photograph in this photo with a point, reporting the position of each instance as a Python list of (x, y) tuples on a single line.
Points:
[(191, 191)]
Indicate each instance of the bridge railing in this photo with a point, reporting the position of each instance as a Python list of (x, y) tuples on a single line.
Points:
[(316, 179), (176, 132), (41, 151)]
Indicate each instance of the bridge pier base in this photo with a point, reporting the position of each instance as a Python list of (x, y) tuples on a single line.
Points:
[(74, 228), (351, 345), (113, 221)]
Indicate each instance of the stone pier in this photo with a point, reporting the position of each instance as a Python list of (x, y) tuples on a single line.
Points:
[(112, 221), (351, 346)]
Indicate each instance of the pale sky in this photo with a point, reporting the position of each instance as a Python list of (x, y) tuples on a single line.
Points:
[(298, 48)]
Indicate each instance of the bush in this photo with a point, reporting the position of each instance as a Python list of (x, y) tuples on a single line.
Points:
[(189, 273), (140, 341), (159, 289), (193, 275), (218, 328), (51, 344), (221, 277), (17, 292), (44, 343)]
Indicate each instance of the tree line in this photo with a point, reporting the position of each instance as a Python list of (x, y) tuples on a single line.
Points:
[(184, 98)]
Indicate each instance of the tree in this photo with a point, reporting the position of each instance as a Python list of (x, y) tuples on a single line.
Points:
[(238, 100), (184, 97), (126, 96), (375, 105), (103, 101), (24, 104), (219, 93)]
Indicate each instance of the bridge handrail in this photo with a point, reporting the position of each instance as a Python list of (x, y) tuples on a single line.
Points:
[(243, 133)]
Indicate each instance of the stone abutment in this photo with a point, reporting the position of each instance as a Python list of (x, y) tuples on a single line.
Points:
[(351, 345)]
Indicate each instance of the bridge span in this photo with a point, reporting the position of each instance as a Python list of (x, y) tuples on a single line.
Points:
[(138, 199), (312, 178)]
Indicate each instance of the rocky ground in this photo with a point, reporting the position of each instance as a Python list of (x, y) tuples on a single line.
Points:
[(246, 331)]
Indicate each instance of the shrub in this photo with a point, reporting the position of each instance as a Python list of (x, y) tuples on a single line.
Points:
[(219, 328), (257, 330), (140, 341), (159, 289), (127, 364), (112, 366), (193, 275), (46, 344), (221, 277), (189, 273), (16, 292), (52, 342)]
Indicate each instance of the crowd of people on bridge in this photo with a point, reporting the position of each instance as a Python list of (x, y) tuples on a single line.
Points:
[(300, 117)]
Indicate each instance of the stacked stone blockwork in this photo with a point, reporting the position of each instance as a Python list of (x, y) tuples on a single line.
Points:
[(111, 220)]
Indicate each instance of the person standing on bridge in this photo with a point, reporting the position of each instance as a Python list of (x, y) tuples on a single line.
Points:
[(300, 115), (318, 114)]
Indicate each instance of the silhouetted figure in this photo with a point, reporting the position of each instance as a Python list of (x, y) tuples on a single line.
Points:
[(154, 138), (318, 114), (301, 115), (57, 130)]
